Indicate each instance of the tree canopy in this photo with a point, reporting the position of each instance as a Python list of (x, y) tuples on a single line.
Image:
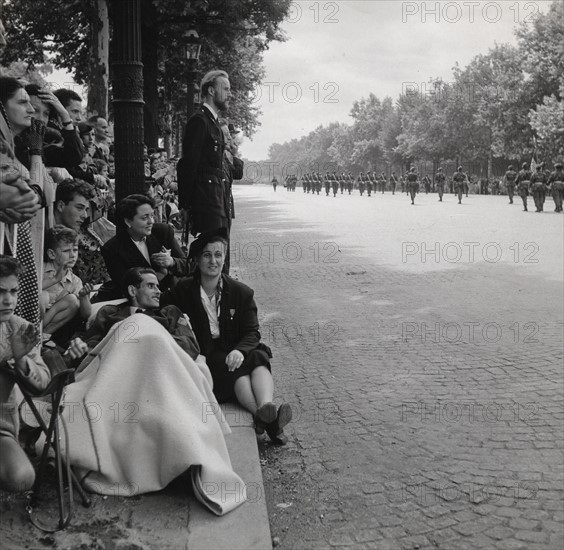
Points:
[(506, 104), (234, 35)]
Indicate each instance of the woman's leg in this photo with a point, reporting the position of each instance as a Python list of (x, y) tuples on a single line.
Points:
[(255, 390), (16, 471), (262, 385), (245, 395)]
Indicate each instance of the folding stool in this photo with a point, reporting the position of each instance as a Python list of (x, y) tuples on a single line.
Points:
[(60, 378)]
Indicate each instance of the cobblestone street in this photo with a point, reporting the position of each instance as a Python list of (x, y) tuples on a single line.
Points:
[(421, 350)]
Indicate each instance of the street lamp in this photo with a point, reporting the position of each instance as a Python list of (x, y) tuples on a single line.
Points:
[(192, 54)]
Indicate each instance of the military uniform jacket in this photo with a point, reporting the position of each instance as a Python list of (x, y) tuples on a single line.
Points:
[(538, 180), (510, 177), (440, 179), (459, 178), (200, 170), (523, 180)]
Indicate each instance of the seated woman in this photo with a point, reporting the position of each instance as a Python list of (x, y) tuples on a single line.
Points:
[(223, 314), (18, 351), (139, 242), (143, 410)]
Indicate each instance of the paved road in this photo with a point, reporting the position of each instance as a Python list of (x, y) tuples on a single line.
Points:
[(421, 350)]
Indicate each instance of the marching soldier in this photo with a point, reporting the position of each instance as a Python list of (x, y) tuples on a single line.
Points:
[(537, 188), (412, 184), (360, 181), (393, 182), (350, 183), (509, 180), (319, 183), (440, 180), (334, 184), (368, 183), (327, 183), (342, 182), (459, 180), (523, 181), (556, 185)]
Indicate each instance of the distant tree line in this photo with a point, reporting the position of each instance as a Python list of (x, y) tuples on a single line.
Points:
[(505, 106)]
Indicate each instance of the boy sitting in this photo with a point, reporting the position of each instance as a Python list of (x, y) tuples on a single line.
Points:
[(18, 351), (63, 294)]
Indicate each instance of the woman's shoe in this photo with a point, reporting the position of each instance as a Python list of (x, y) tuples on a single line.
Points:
[(265, 416), (275, 430)]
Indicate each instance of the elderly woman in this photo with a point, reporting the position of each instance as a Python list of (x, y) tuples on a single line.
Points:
[(139, 242), (223, 314)]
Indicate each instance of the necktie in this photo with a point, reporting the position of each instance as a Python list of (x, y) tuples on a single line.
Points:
[(28, 304)]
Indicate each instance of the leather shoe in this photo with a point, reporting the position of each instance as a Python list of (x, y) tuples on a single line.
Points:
[(275, 430), (265, 416)]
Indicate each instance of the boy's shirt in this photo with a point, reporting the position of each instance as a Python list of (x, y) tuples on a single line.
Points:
[(70, 284)]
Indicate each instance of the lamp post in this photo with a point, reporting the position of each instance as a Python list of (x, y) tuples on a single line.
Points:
[(127, 87), (192, 52)]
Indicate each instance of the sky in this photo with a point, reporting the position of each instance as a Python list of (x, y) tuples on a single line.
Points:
[(339, 52)]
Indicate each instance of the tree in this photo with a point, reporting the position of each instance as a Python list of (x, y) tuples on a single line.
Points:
[(71, 35), (547, 121)]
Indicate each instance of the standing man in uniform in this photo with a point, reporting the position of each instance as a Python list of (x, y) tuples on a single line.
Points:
[(427, 184), (412, 184), (509, 180), (440, 180), (274, 183), (459, 180), (200, 170), (556, 185), (523, 181)]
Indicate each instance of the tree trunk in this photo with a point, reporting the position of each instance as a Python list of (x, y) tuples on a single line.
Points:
[(99, 61), (149, 32)]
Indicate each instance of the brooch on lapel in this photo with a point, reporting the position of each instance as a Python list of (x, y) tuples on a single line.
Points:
[(231, 314)]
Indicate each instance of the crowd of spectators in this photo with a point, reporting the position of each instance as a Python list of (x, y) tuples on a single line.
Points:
[(66, 246)]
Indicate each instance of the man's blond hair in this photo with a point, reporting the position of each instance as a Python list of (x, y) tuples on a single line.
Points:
[(209, 80)]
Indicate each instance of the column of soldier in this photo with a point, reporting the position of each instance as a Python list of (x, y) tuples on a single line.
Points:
[(537, 184)]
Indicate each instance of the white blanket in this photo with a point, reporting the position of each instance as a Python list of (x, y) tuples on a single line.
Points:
[(141, 412)]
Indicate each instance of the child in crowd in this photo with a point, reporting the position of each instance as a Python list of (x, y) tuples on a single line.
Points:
[(102, 167), (63, 294), (18, 351)]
